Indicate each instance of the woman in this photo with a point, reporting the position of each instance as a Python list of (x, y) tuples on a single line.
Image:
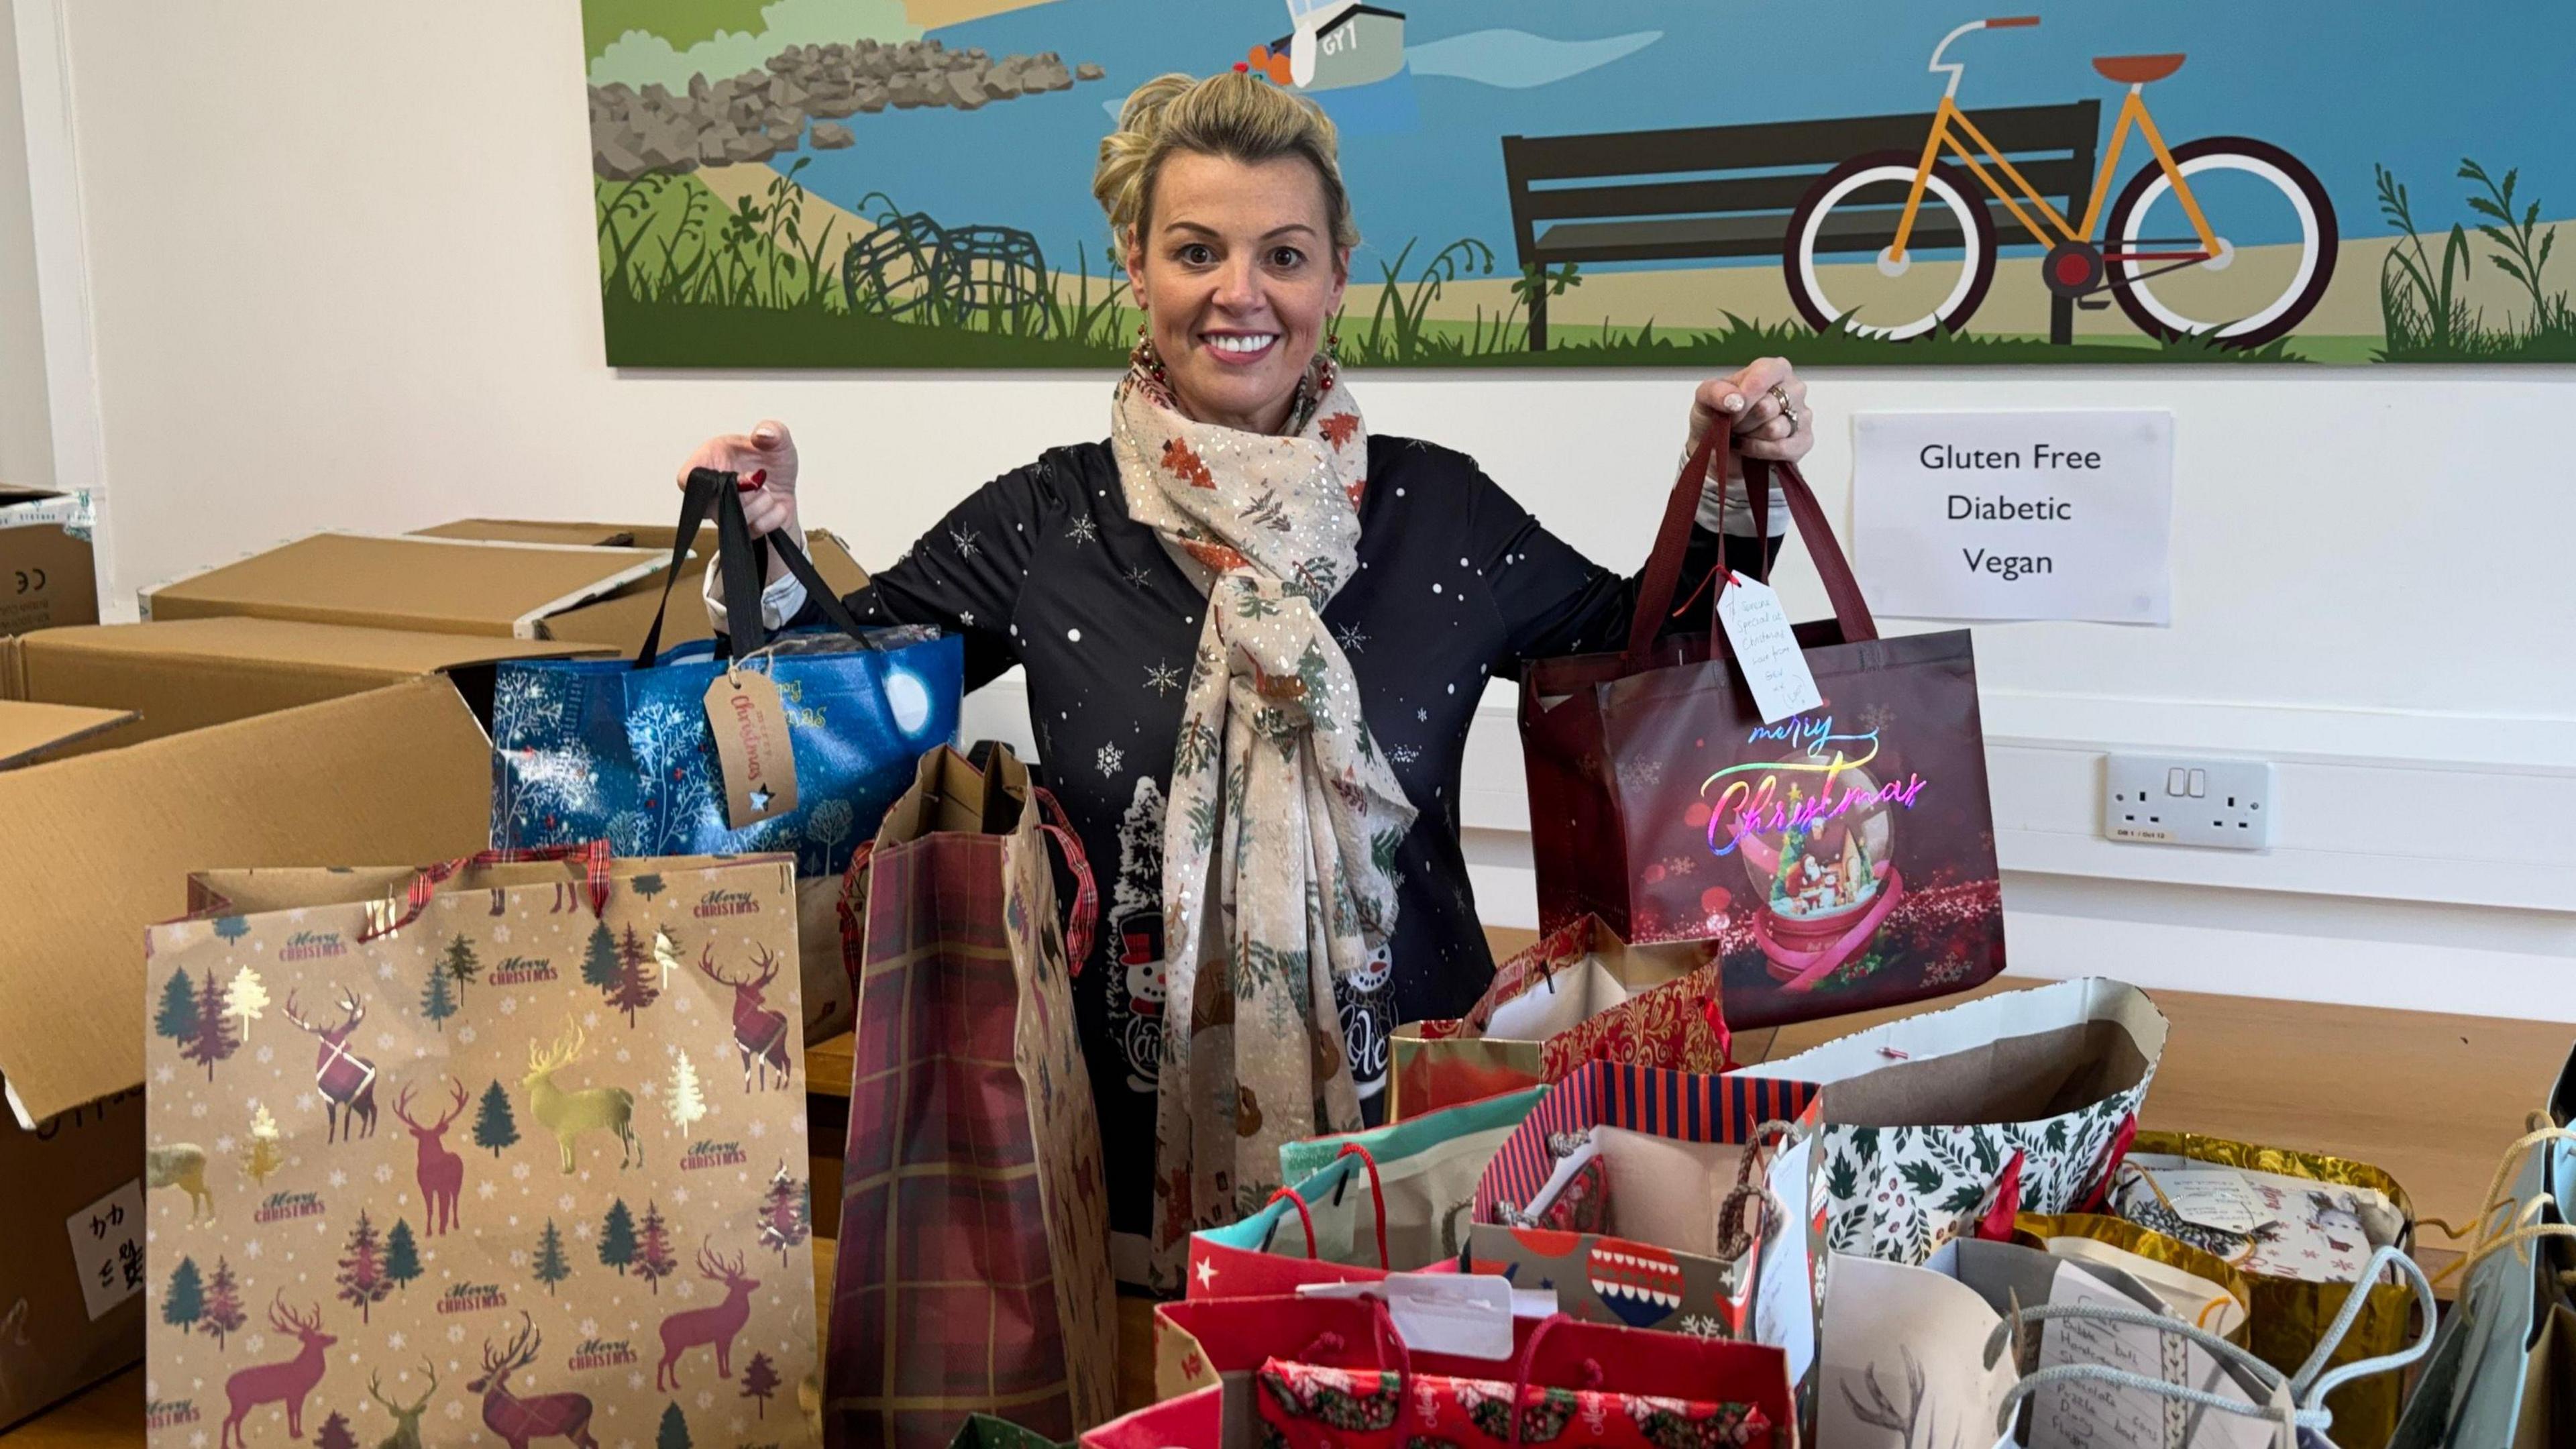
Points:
[(1289, 751)]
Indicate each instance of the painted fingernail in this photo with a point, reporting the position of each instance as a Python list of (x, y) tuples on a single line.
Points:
[(759, 476), (1734, 402)]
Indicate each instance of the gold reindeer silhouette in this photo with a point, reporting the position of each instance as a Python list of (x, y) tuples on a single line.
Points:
[(570, 1114)]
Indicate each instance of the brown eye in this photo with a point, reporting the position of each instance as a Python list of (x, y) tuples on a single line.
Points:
[(1197, 254), (1286, 258)]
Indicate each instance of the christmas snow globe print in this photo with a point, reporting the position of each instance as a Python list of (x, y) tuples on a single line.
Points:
[(1819, 855)]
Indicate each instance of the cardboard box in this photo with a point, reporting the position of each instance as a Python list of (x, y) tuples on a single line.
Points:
[(71, 1280), (28, 731), (434, 585), (619, 619), (47, 575), (186, 674)]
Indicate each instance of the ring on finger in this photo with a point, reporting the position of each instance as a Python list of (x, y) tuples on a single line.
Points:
[(1780, 395)]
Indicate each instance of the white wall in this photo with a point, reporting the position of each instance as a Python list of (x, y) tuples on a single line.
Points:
[(26, 436), (341, 273)]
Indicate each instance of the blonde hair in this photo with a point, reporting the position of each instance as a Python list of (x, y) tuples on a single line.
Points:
[(1234, 114)]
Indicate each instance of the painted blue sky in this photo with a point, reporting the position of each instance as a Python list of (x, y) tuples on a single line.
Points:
[(2340, 85)]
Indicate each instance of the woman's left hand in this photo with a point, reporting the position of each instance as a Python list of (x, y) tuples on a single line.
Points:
[(1752, 403)]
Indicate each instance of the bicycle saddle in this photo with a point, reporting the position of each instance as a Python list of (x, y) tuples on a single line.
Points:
[(2136, 70)]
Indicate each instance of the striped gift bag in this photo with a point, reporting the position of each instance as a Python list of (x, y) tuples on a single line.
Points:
[(1668, 1244), (973, 1274)]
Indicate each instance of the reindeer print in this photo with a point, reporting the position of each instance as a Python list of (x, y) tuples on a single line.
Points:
[(714, 1327), (286, 1382), (570, 1114), (347, 1081), (440, 1172), (758, 1033), (539, 1416)]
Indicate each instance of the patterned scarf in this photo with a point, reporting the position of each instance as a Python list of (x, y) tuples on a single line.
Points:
[(1280, 836)]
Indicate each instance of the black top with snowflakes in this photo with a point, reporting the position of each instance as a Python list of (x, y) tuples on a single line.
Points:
[(1043, 567)]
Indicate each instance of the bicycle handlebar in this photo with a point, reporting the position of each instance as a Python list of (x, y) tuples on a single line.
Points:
[(2012, 22)]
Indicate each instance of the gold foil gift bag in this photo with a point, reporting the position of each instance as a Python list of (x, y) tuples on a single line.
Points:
[(497, 1152)]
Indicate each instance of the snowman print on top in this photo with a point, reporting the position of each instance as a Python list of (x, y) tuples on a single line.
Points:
[(1136, 937)]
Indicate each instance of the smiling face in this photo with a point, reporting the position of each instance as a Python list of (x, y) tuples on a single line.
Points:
[(1236, 270)]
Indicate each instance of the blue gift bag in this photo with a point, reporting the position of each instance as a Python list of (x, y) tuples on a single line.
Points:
[(621, 750)]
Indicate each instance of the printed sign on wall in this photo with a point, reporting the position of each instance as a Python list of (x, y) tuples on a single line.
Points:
[(2015, 515)]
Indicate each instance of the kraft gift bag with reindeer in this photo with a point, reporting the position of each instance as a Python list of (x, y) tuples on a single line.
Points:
[(497, 1152)]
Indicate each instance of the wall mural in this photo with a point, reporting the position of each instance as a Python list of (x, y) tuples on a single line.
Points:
[(905, 183)]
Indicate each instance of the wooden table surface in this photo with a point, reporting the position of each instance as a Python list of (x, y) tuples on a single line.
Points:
[(2433, 1099)]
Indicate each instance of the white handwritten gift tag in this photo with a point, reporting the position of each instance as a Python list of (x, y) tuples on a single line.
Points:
[(752, 746), (1468, 1315), (2214, 1197), (1766, 652), (2096, 1414)]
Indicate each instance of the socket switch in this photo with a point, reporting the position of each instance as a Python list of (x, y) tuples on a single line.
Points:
[(2180, 800)]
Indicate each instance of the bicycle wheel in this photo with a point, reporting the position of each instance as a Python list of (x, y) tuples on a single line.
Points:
[(1836, 261), (2273, 221)]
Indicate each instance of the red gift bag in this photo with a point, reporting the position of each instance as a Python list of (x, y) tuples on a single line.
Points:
[(1841, 859), (1569, 1384)]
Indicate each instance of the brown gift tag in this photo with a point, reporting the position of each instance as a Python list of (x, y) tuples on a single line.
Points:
[(759, 760)]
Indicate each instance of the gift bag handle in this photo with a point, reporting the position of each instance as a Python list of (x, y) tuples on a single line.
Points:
[(1084, 919), (386, 916), (739, 564), (1377, 1195), (1681, 513)]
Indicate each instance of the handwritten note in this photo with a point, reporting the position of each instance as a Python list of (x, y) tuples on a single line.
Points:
[(1766, 652), (1784, 1304), (107, 1248), (2095, 1414), (2214, 1197), (1466, 1314)]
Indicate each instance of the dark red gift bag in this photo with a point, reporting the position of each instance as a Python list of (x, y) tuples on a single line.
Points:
[(1842, 859)]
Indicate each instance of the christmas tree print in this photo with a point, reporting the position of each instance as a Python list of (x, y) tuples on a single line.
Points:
[(362, 1279), (402, 1255), (183, 1303), (437, 1003), (177, 1018), (460, 965), (634, 989), (675, 1430), (550, 1266), (493, 1125), (760, 1380), (653, 1260), (232, 928), (647, 886), (335, 1433), (599, 960), (783, 1214), (245, 999), (223, 1314), (617, 1238), (213, 1039), (684, 1101), (262, 1155)]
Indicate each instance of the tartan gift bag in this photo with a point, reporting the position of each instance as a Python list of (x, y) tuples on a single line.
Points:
[(1842, 859), (1577, 994), (418, 1160), (622, 751), (973, 1273), (1926, 1115)]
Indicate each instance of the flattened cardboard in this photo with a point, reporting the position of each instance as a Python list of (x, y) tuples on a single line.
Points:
[(28, 730), (438, 585), (48, 578), (186, 674), (50, 1346), (101, 846), (620, 619)]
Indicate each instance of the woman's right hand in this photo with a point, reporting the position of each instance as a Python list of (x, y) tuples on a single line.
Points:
[(765, 456)]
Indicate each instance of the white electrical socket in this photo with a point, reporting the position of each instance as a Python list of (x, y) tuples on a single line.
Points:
[(2181, 800)]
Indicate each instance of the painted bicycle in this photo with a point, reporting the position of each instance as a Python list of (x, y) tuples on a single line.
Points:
[(2225, 238)]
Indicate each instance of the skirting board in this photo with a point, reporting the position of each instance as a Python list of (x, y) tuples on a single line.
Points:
[(2420, 861)]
